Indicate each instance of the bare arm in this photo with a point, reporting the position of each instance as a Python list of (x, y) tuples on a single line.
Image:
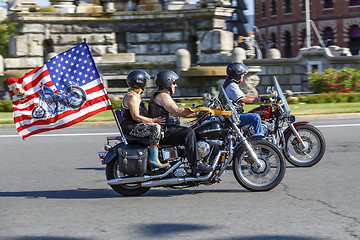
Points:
[(249, 99), (168, 103), (132, 102)]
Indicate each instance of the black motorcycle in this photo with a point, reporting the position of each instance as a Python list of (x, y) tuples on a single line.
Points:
[(258, 165)]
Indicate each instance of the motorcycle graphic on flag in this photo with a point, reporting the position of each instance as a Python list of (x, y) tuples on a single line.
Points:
[(50, 103)]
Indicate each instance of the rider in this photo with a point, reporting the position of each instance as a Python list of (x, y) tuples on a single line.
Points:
[(235, 73), (135, 115), (162, 105)]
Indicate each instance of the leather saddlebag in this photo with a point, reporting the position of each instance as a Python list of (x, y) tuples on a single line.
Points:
[(133, 159)]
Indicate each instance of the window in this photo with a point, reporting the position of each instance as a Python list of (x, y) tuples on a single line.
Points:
[(354, 3), (303, 6), (272, 40), (287, 48), (328, 4), (263, 8), (328, 36), (354, 39), (287, 6), (273, 7)]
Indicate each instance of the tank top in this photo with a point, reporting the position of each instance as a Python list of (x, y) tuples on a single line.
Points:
[(156, 110), (128, 123)]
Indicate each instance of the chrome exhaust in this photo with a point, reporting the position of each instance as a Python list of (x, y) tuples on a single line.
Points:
[(119, 181), (177, 181)]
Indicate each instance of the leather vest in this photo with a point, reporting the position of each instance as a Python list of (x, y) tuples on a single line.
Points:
[(156, 110)]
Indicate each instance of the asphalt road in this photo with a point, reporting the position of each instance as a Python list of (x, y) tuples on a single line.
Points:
[(53, 187)]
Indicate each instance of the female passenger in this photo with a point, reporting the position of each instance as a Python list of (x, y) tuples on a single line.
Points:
[(135, 115)]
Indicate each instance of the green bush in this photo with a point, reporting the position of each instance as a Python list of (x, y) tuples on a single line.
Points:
[(7, 30), (5, 106), (345, 80)]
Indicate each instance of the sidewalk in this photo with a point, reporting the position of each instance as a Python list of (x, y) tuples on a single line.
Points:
[(184, 121)]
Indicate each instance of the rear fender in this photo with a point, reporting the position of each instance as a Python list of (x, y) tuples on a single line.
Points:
[(111, 154)]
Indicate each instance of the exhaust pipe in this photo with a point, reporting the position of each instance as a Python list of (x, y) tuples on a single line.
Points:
[(177, 181), (119, 181)]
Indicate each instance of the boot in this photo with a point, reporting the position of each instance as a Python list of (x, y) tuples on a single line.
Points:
[(200, 167), (154, 157)]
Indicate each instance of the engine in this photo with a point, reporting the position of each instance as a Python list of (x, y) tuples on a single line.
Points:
[(267, 128)]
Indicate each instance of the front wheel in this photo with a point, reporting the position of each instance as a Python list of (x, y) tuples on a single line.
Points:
[(253, 177), (76, 96), (312, 151), (112, 172)]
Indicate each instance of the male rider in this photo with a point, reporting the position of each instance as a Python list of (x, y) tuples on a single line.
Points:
[(235, 74), (162, 105)]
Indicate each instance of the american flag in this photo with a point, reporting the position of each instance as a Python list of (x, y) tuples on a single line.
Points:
[(66, 90)]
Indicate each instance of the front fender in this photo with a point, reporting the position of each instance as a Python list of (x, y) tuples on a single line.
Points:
[(295, 124)]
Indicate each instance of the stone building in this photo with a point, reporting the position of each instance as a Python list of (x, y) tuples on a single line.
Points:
[(282, 24), (123, 35)]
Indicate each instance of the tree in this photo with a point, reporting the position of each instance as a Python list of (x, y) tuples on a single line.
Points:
[(7, 30)]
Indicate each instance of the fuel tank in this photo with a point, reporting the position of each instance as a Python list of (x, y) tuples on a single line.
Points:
[(265, 111), (209, 130)]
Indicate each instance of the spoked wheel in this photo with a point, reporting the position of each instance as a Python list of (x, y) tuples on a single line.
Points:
[(134, 189), (308, 154), (76, 96), (38, 112), (259, 178)]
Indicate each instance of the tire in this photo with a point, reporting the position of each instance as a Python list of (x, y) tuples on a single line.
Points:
[(314, 152), (112, 172), (76, 96), (259, 180), (38, 112)]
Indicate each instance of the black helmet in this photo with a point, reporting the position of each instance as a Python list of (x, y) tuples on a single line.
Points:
[(137, 79), (235, 70), (166, 78)]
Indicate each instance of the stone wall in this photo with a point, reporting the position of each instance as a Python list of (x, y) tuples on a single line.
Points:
[(121, 41), (291, 72)]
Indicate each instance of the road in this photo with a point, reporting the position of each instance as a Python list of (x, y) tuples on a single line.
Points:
[(53, 187)]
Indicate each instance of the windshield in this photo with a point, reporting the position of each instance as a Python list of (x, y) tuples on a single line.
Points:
[(282, 96)]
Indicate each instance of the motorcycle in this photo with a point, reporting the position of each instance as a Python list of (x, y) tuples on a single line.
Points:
[(52, 103), (257, 164), (303, 144)]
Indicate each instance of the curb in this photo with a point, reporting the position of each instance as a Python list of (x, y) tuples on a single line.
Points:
[(184, 121)]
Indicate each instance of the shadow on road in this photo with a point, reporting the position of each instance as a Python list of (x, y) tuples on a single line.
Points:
[(80, 193), (47, 238), (162, 230), (85, 193)]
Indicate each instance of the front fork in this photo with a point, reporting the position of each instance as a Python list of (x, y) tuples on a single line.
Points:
[(297, 135), (249, 148)]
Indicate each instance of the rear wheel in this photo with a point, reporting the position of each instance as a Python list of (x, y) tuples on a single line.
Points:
[(253, 177), (134, 189), (311, 153)]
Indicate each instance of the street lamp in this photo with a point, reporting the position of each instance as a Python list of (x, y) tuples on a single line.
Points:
[(307, 20)]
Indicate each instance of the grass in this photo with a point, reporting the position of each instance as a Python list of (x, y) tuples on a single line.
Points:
[(296, 109)]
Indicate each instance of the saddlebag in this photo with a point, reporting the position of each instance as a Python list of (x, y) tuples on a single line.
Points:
[(133, 159)]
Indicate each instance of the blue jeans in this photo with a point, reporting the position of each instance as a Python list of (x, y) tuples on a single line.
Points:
[(252, 119)]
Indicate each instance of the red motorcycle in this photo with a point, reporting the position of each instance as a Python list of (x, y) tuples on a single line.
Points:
[(303, 145)]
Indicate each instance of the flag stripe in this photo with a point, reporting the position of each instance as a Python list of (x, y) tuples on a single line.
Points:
[(68, 88)]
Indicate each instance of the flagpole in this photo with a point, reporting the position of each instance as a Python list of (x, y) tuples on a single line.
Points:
[(112, 110)]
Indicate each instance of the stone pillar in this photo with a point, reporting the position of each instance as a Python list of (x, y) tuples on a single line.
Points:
[(183, 60), (109, 5), (63, 6), (273, 53), (216, 47), (149, 5), (178, 4), (238, 55)]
